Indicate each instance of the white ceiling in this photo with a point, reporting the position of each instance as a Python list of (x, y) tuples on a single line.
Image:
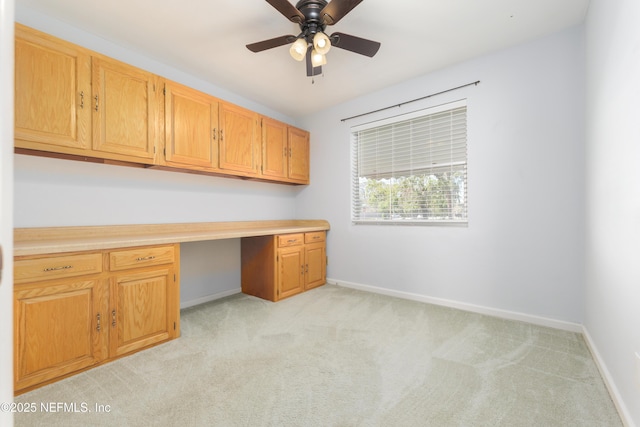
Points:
[(207, 38)]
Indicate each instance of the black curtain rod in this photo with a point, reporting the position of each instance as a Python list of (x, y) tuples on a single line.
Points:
[(413, 100)]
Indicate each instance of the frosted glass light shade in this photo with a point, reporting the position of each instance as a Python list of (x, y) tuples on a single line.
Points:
[(317, 59), (298, 49), (321, 43)]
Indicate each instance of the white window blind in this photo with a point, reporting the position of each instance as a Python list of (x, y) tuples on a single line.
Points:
[(411, 168)]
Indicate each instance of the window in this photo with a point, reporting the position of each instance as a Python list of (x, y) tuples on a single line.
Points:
[(411, 169)]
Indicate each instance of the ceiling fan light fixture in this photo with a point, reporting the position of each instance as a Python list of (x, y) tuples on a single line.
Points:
[(321, 43), (298, 49), (318, 59)]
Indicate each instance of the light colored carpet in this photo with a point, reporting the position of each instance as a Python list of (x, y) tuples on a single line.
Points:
[(340, 357)]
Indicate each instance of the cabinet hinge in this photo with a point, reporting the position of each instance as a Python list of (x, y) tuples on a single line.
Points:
[(174, 326), (327, 260), (164, 91), (174, 277)]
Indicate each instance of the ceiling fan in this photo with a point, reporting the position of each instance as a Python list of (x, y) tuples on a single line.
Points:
[(312, 44)]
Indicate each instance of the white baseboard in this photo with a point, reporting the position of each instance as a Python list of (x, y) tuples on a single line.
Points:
[(207, 298), (608, 380), (505, 314)]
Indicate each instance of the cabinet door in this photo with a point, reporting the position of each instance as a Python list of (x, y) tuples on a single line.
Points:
[(275, 151), (141, 310), (315, 265), (59, 328), (239, 148), (126, 117), (52, 94), (191, 132), (290, 271), (299, 155)]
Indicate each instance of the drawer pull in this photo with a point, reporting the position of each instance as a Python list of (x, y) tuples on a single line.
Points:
[(292, 240), (145, 258), (64, 267)]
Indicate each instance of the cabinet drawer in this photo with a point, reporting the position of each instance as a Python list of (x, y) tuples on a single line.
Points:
[(38, 269), (141, 257), (317, 236), (286, 240)]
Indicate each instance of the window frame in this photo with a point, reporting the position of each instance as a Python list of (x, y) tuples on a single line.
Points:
[(355, 188)]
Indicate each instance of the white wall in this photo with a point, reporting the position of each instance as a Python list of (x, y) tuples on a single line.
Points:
[(612, 314), (51, 192), (523, 248), (6, 201)]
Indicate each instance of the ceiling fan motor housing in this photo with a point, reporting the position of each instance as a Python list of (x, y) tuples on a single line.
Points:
[(313, 22)]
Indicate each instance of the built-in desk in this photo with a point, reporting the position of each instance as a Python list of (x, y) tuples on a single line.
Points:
[(51, 240), (84, 296)]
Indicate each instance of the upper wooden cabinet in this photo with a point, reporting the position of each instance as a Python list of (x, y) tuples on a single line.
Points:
[(75, 102), (298, 155), (191, 128), (239, 144), (275, 148), (127, 110), (72, 101), (285, 152), (52, 94)]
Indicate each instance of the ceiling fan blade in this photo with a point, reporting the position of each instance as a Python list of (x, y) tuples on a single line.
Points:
[(354, 44), (288, 10), (311, 70), (271, 43), (336, 10)]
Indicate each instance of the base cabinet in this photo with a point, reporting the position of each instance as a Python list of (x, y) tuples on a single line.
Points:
[(75, 311), (58, 329), (277, 267), (141, 314)]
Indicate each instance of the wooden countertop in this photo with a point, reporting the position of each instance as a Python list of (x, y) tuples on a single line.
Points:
[(49, 240)]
